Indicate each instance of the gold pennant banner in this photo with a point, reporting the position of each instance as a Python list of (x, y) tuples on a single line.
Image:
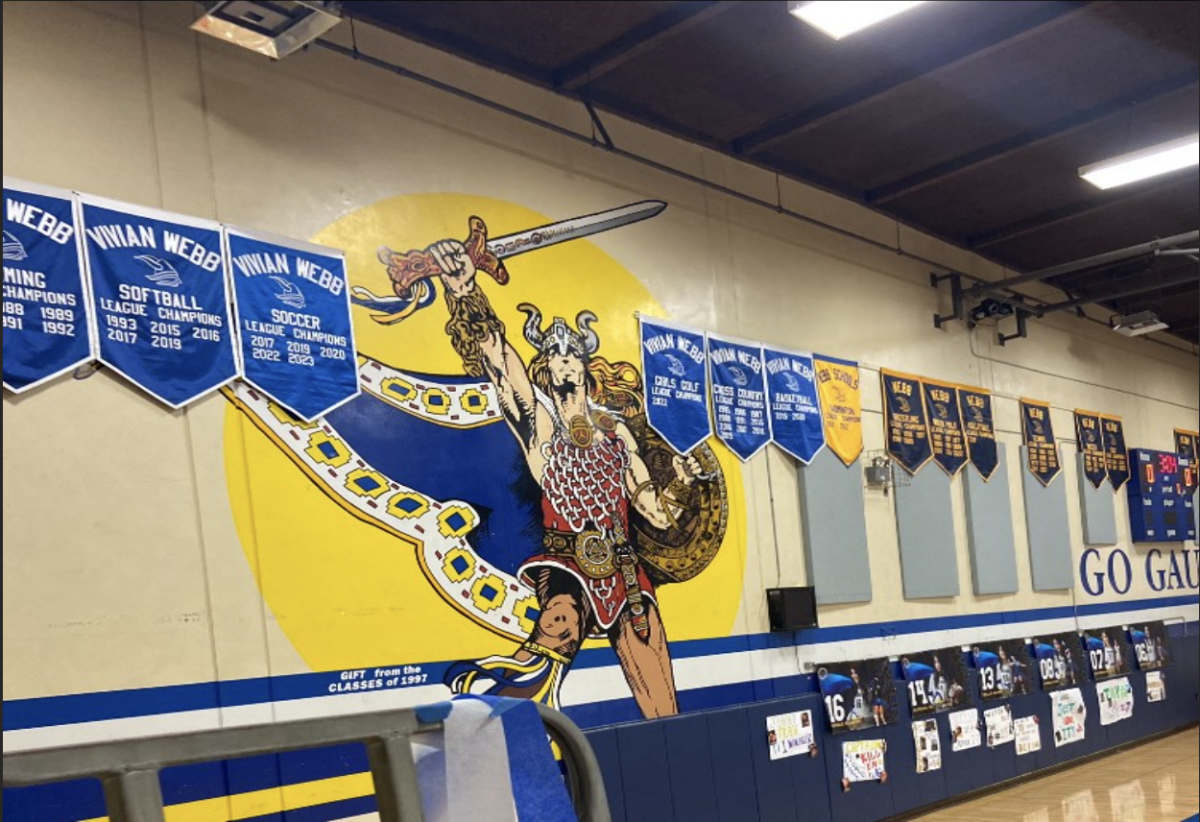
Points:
[(841, 406)]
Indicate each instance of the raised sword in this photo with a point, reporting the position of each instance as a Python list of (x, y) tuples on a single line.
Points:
[(408, 269)]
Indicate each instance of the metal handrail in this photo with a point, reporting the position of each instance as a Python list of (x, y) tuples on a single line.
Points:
[(128, 769)]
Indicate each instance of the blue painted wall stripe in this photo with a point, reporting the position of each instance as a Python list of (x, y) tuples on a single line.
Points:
[(21, 714)]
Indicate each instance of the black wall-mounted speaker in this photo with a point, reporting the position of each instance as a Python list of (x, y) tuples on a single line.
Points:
[(791, 609)]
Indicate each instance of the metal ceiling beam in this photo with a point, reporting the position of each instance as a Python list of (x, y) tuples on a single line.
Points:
[(1031, 139), (1128, 291), (1048, 219), (635, 42), (970, 50), (1094, 261)]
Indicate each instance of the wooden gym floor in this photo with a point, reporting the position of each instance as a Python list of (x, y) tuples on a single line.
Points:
[(1156, 782)]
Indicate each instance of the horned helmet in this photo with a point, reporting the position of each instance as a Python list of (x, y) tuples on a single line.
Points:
[(559, 338)]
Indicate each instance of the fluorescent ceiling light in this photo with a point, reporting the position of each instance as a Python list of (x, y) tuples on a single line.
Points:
[(1149, 162), (838, 18)]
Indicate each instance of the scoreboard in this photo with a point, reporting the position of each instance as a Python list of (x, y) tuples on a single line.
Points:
[(1160, 509)]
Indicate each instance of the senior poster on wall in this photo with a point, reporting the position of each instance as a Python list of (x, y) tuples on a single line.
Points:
[(1151, 645), (796, 424), (858, 694), (964, 729), (161, 299), (1106, 652), (1057, 658), (935, 680), (1116, 700), (841, 406), (975, 407), (45, 314), (1069, 713), (293, 309), (1041, 448), (739, 395), (1003, 667), (906, 429), (676, 375), (945, 426)]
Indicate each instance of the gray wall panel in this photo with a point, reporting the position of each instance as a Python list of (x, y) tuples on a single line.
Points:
[(1096, 509), (1048, 531), (835, 529), (925, 523), (990, 529)]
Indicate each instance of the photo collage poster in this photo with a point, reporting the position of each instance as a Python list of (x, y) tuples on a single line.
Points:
[(928, 746), (791, 734), (964, 730)]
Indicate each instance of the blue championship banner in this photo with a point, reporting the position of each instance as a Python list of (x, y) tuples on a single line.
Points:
[(1040, 445), (906, 430), (975, 405), (739, 395), (293, 309), (1116, 457), (675, 368), (1091, 446), (1185, 446), (796, 424), (45, 314), (945, 426), (161, 299)]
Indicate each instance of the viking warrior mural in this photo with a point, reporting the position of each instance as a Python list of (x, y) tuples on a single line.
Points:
[(570, 545), (567, 409)]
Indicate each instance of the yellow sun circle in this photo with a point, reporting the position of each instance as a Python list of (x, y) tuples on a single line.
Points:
[(347, 593)]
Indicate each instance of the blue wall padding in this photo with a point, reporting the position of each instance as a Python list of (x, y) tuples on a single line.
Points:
[(733, 766), (604, 743), (644, 772), (689, 762), (747, 785)]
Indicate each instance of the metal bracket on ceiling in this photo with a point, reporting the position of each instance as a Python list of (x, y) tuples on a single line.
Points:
[(1022, 330), (597, 124), (956, 297)]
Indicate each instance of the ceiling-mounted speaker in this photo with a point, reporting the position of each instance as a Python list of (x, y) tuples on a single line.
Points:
[(275, 28)]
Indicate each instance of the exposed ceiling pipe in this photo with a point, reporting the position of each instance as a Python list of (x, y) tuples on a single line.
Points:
[(1152, 247), (1128, 291)]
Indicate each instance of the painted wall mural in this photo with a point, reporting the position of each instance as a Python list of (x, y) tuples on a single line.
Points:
[(494, 501)]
